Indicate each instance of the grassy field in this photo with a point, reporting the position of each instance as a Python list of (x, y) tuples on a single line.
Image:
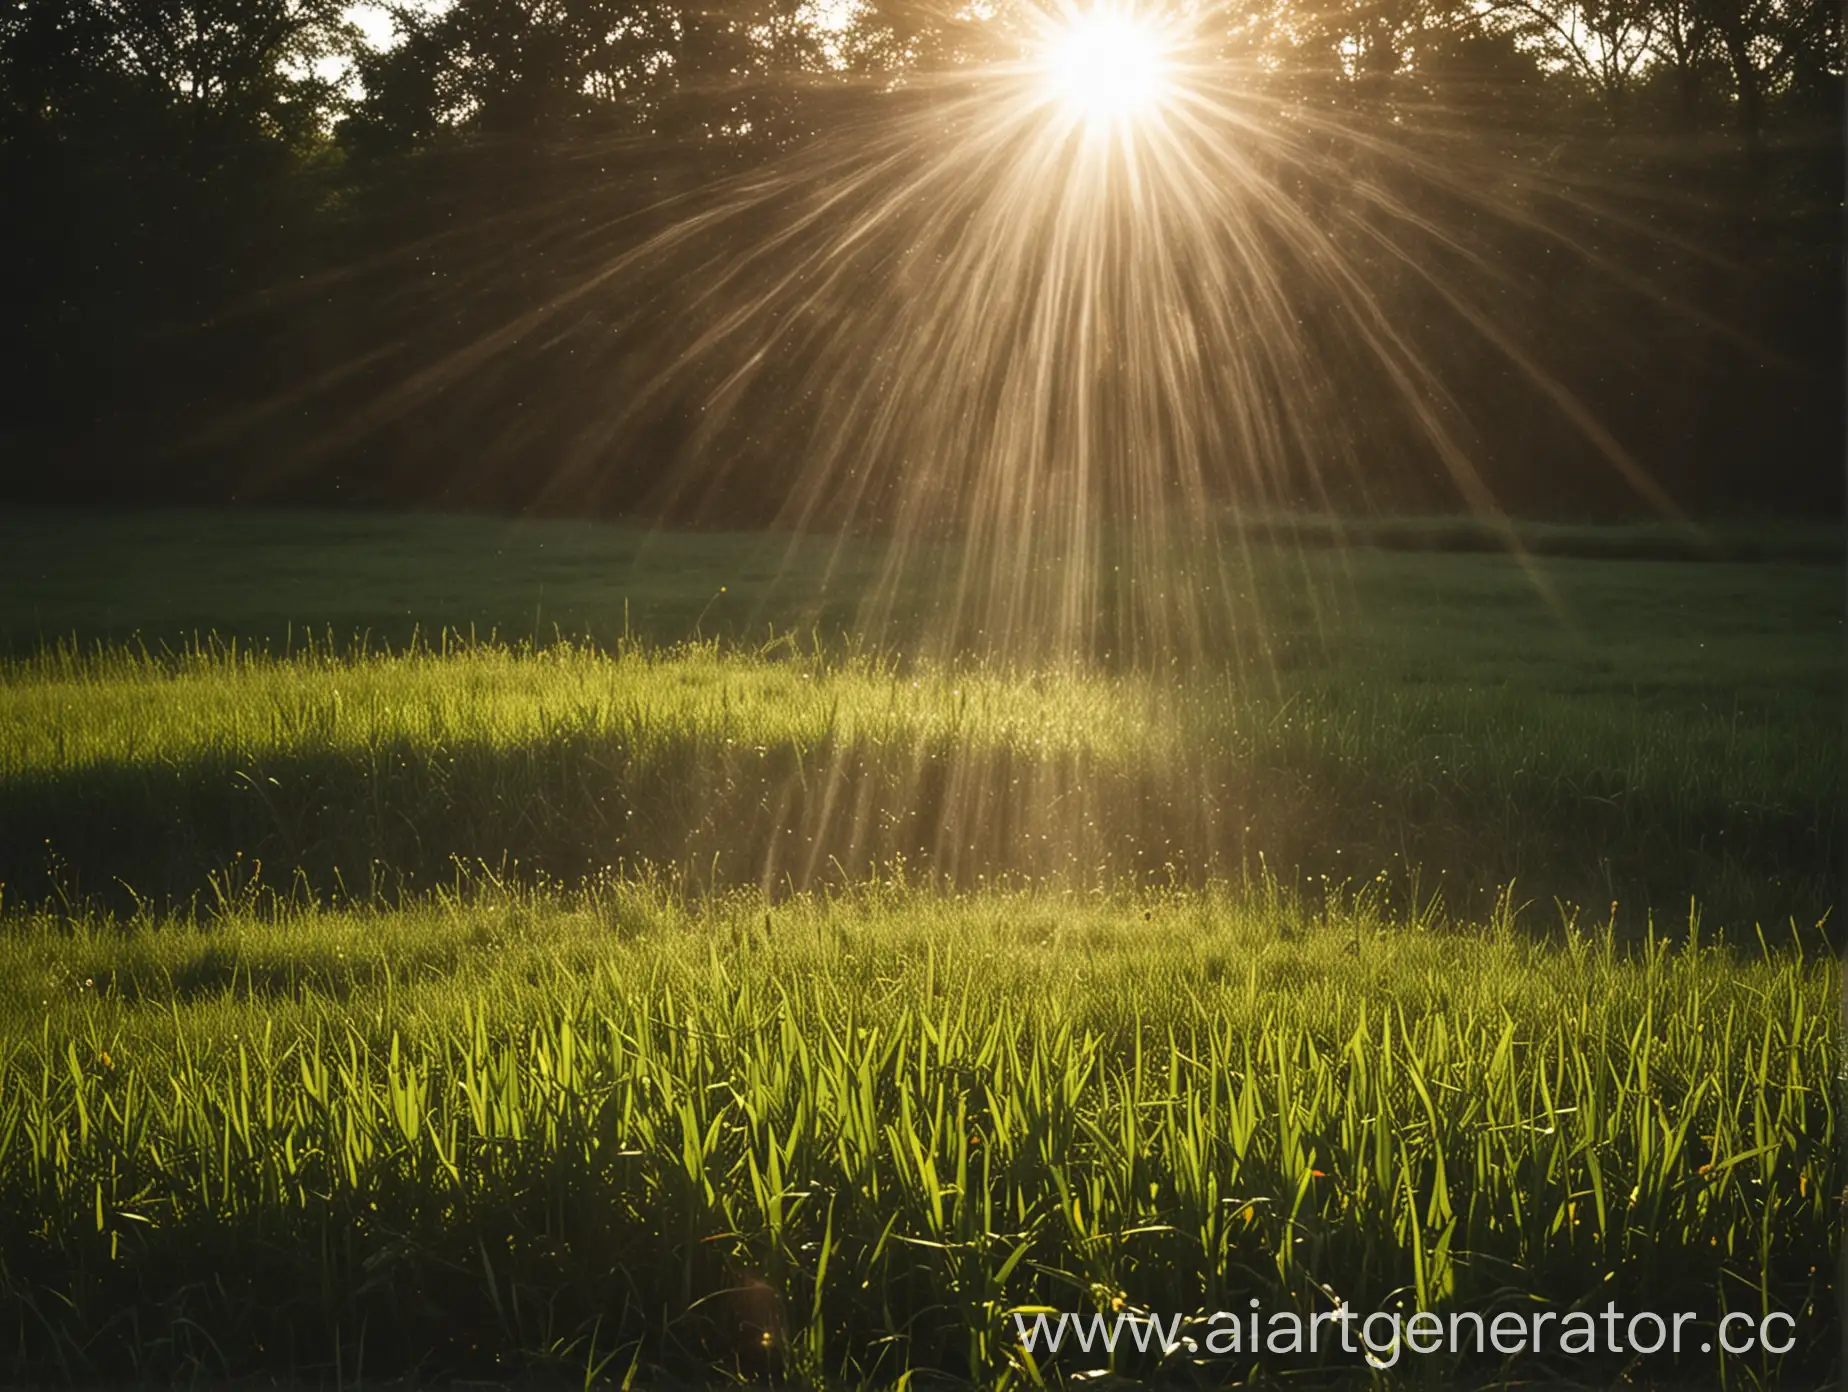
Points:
[(1406, 587), (125, 779), (587, 995), (836, 1139)]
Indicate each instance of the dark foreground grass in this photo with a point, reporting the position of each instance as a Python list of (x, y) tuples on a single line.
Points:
[(838, 1140)]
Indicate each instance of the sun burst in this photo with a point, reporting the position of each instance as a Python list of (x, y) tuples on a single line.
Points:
[(1106, 67)]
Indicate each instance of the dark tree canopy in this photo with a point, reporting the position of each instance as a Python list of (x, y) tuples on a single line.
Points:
[(229, 227)]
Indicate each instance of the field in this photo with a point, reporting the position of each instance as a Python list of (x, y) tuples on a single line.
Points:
[(446, 948)]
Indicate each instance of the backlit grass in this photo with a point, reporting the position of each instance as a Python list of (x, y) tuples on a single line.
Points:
[(122, 774), (838, 1138), (443, 996)]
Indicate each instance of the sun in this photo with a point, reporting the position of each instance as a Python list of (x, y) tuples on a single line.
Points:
[(1105, 66)]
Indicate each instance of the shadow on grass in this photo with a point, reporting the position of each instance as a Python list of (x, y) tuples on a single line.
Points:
[(397, 817)]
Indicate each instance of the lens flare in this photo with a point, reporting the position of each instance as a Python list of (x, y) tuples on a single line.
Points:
[(1106, 67)]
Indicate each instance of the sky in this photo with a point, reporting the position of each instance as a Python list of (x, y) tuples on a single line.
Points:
[(374, 23)]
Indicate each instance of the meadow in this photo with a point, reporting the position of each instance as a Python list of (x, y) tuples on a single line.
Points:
[(448, 948)]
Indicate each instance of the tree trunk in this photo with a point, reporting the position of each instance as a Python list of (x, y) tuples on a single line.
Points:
[(1745, 76)]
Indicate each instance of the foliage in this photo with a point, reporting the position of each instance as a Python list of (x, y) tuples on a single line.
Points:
[(220, 212)]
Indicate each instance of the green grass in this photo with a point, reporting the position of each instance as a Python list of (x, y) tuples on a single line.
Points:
[(123, 777), (1765, 635), (666, 977), (504, 1134), (169, 577), (1591, 729)]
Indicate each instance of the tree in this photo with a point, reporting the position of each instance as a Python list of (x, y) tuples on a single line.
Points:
[(1604, 44), (1775, 48)]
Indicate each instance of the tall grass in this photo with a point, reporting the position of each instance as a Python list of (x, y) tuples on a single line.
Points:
[(631, 1013), (838, 1139), (349, 772)]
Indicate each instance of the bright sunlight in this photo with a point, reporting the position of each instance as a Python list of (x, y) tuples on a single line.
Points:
[(1106, 66)]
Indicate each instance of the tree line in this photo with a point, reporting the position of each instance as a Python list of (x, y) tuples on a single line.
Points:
[(223, 221)]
